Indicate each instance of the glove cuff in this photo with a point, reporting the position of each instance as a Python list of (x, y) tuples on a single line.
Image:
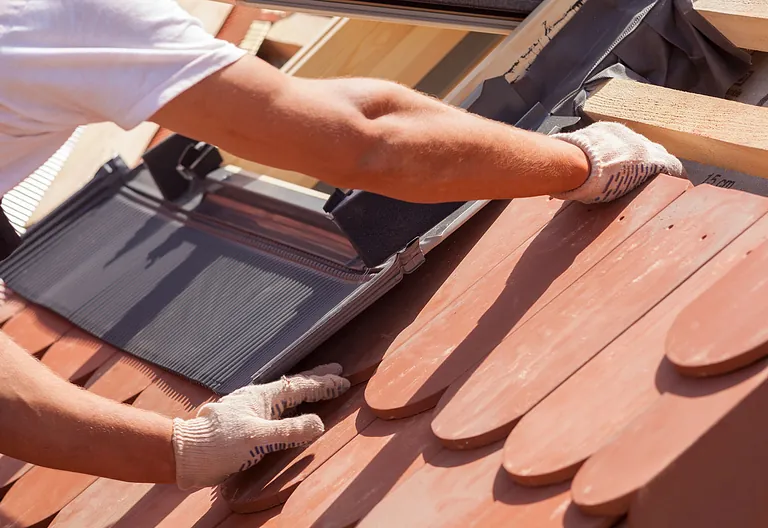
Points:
[(194, 448), (587, 192)]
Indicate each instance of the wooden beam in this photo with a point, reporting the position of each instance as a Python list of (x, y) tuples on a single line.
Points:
[(708, 130), (364, 48), (515, 54), (743, 22)]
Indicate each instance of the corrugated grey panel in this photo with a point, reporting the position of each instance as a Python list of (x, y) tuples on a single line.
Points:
[(215, 307)]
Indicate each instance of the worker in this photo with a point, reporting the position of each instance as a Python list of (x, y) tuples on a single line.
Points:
[(65, 63)]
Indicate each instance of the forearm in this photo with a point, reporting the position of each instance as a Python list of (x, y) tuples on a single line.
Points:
[(371, 134), (431, 152), (49, 422)]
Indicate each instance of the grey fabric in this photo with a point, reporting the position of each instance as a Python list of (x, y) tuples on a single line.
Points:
[(664, 42)]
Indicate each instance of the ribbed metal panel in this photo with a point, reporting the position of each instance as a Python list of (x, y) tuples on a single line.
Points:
[(216, 307)]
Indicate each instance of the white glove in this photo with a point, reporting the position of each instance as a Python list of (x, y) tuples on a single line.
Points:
[(620, 160), (236, 432)]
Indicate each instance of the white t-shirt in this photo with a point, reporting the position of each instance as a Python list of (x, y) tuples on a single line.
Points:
[(65, 63)]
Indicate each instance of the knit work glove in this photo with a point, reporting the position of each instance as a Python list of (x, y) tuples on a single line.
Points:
[(236, 432), (620, 160)]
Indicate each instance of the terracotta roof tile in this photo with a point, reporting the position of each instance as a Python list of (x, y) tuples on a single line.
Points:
[(10, 304), (266, 519), (273, 480), (686, 413), (35, 328), (344, 489), (483, 405), (413, 378), (39, 495), (460, 489), (450, 269), (114, 504), (121, 378), (552, 441), (77, 355), (11, 470), (584, 353), (720, 332)]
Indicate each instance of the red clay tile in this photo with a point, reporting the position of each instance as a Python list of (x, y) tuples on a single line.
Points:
[(173, 396), (719, 481), (10, 304), (349, 485), (77, 355), (552, 441), (273, 479), (469, 489), (11, 470), (34, 328), (658, 438), (723, 330), (113, 504), (449, 270), (484, 404), (39, 495), (121, 378), (266, 519), (413, 378)]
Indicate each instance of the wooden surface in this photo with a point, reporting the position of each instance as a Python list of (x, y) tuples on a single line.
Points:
[(582, 415), (743, 22), (484, 404), (705, 129), (514, 55), (413, 378)]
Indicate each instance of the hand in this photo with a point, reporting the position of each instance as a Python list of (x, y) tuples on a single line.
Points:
[(620, 161), (236, 432)]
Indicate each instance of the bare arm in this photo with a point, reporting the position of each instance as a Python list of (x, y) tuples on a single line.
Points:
[(49, 422), (370, 134)]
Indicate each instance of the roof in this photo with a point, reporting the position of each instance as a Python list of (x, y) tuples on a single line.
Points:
[(528, 350), (550, 365)]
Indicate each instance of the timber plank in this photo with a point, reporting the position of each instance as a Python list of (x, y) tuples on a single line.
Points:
[(705, 129), (743, 22)]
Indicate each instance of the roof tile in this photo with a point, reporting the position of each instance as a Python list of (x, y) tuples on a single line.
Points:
[(413, 378), (35, 328), (449, 270), (463, 489), (272, 481), (344, 489), (720, 332), (686, 412), (552, 441), (77, 355), (483, 405)]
